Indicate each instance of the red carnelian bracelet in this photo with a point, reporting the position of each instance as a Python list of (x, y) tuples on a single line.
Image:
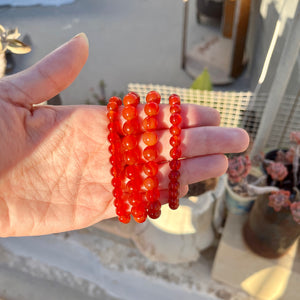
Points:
[(126, 157), (175, 153), (150, 154)]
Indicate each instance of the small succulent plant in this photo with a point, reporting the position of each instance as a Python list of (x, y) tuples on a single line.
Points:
[(282, 181)]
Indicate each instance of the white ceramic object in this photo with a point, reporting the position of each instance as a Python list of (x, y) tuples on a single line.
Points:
[(237, 204)]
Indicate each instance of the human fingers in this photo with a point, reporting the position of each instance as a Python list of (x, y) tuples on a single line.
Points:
[(49, 76), (194, 170), (206, 140)]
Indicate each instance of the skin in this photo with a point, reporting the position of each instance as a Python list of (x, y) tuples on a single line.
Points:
[(54, 162)]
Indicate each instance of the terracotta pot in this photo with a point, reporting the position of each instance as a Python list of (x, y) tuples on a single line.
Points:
[(269, 233)]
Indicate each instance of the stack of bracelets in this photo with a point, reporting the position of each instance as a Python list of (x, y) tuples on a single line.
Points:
[(134, 170)]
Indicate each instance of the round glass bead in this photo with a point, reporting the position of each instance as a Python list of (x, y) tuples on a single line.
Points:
[(133, 185), (138, 210), (114, 171), (173, 193), (174, 185), (150, 183), (154, 214), (112, 115), (141, 219), (129, 142), (175, 130), (116, 182), (153, 96), (175, 164), (174, 175), (125, 219), (131, 98), (116, 100), (175, 152), (131, 157), (152, 195), (150, 168), (150, 138), (123, 209), (175, 140), (150, 153), (175, 109), (112, 137), (117, 192), (154, 205), (173, 203), (132, 172), (174, 99), (150, 123), (129, 112), (175, 119), (151, 109), (112, 106), (135, 198), (131, 127)]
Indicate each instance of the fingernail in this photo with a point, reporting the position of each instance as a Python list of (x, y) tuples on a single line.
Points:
[(83, 35)]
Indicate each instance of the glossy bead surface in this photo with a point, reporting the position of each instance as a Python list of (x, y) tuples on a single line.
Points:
[(149, 138), (135, 199), (141, 219), (154, 205), (150, 153), (174, 175), (131, 157), (112, 115), (175, 130), (150, 168), (129, 142), (174, 185), (125, 219), (116, 182), (117, 192), (173, 203), (116, 100), (150, 183), (131, 127), (153, 96), (151, 109), (133, 185), (150, 123), (175, 164), (174, 99), (175, 119), (138, 210), (154, 214), (132, 171), (112, 106), (175, 152), (152, 195), (131, 98), (129, 112), (173, 193), (175, 109), (175, 140)]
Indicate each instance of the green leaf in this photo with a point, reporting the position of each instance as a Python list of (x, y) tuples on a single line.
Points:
[(202, 82), (17, 46)]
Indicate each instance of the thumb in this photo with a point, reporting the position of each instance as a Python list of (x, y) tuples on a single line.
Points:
[(49, 76)]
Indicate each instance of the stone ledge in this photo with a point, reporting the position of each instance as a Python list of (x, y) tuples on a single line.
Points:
[(265, 279)]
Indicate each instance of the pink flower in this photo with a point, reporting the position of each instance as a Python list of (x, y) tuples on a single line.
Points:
[(295, 209), (279, 199), (238, 168), (295, 137), (277, 171)]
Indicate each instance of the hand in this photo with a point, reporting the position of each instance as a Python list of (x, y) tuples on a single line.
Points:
[(54, 162)]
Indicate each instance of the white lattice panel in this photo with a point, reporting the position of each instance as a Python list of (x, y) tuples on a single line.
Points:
[(237, 109)]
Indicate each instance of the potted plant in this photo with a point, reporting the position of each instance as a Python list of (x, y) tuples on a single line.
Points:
[(274, 222), (243, 185)]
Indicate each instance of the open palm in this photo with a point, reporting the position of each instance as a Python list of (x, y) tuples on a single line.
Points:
[(54, 160)]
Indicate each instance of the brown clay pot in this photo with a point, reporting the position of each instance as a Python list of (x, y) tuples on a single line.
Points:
[(269, 233)]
